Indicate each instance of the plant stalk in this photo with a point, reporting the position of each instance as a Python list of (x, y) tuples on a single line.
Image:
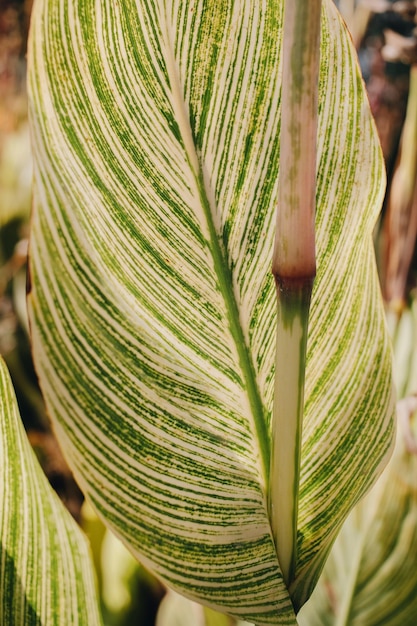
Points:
[(401, 219), (294, 266)]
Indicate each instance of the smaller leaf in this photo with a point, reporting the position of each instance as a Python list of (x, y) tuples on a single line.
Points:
[(46, 576), (175, 610)]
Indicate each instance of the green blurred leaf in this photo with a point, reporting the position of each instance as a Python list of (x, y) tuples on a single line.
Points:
[(46, 575)]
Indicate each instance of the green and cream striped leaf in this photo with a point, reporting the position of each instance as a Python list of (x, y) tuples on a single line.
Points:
[(46, 574), (155, 128), (371, 574)]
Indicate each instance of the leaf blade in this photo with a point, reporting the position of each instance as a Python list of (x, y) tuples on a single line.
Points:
[(127, 313), (46, 572)]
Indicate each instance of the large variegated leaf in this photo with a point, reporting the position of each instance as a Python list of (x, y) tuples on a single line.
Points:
[(46, 574), (156, 138)]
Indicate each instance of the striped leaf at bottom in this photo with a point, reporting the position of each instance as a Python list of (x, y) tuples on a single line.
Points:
[(46, 576)]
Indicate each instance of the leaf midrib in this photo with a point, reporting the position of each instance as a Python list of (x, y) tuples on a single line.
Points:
[(225, 282), (223, 272)]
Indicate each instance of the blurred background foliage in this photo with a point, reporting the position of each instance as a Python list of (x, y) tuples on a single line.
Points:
[(379, 541)]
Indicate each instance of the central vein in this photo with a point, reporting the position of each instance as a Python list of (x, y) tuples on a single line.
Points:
[(222, 269)]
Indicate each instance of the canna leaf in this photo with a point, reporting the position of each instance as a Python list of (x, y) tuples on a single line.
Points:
[(155, 128), (46, 575), (175, 610), (370, 577)]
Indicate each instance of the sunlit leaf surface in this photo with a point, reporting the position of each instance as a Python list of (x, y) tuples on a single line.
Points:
[(156, 137)]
